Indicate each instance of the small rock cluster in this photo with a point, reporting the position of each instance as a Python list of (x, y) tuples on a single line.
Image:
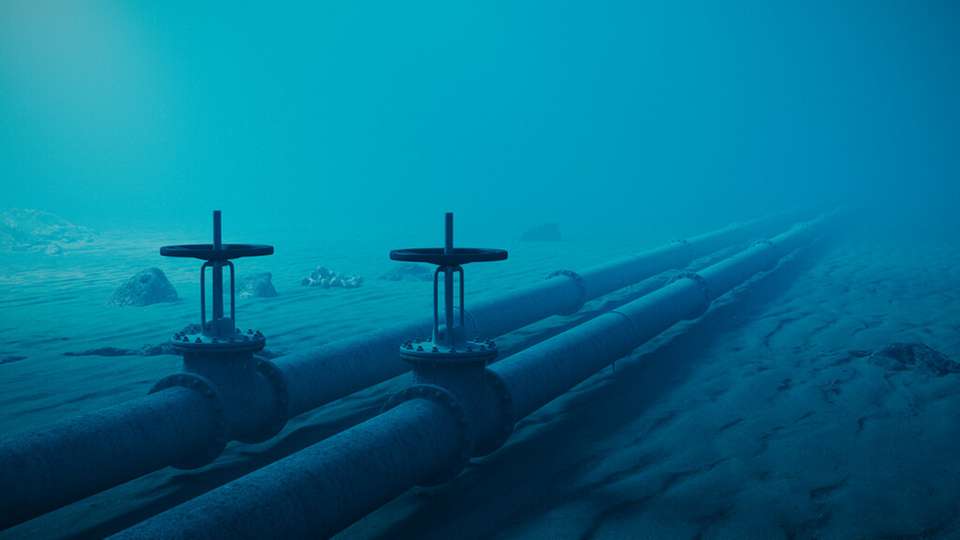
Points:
[(325, 278)]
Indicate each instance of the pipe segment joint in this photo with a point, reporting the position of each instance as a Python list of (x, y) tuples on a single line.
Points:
[(275, 422), (452, 405), (499, 427), (581, 287), (436, 429), (218, 438), (704, 286), (479, 392), (253, 393)]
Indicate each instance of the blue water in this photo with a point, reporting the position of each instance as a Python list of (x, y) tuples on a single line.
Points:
[(338, 131), (364, 117)]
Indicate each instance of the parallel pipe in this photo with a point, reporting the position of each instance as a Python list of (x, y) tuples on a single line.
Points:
[(323, 374), (79, 456), (399, 449), (310, 379), (351, 464), (538, 375)]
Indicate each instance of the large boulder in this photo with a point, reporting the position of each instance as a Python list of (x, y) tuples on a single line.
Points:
[(256, 285), (25, 229), (548, 232), (147, 287)]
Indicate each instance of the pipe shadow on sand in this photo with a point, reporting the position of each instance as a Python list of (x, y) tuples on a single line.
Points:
[(545, 459), (595, 408), (315, 426)]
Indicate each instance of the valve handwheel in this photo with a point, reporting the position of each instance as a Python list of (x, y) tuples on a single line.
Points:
[(450, 345), (220, 332), (457, 257), (208, 252)]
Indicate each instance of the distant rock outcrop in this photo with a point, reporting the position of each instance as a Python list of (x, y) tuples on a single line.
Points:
[(147, 287), (548, 232), (24, 229), (257, 285), (326, 278), (411, 272), (914, 356)]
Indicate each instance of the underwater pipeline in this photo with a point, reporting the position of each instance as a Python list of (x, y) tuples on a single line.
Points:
[(458, 407), (323, 374), (189, 417)]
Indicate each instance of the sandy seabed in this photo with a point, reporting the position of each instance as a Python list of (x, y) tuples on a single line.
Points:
[(770, 417)]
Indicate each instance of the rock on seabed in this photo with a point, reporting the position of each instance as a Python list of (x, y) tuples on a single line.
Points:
[(548, 232), (915, 356), (147, 287), (258, 285)]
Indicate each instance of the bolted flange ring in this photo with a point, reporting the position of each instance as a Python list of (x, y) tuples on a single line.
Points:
[(581, 285), (704, 286), (218, 439), (274, 376), (506, 420), (446, 400)]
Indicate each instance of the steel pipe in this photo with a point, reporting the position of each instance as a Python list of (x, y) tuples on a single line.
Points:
[(260, 505), (537, 375), (323, 374), (296, 383), (322, 489), (79, 456), (186, 421)]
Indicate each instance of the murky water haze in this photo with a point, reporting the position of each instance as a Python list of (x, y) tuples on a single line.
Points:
[(368, 120), (338, 131)]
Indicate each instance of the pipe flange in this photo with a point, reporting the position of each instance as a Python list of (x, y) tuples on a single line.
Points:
[(205, 388), (446, 400), (704, 286), (507, 421), (274, 376), (581, 285)]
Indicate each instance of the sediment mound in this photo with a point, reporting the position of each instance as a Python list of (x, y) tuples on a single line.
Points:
[(409, 272), (27, 229), (155, 350), (548, 232), (914, 356)]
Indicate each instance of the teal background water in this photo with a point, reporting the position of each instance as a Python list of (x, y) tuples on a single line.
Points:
[(339, 130), (368, 119)]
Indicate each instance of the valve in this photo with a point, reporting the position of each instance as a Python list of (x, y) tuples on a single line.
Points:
[(220, 333), (451, 345), (249, 394)]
